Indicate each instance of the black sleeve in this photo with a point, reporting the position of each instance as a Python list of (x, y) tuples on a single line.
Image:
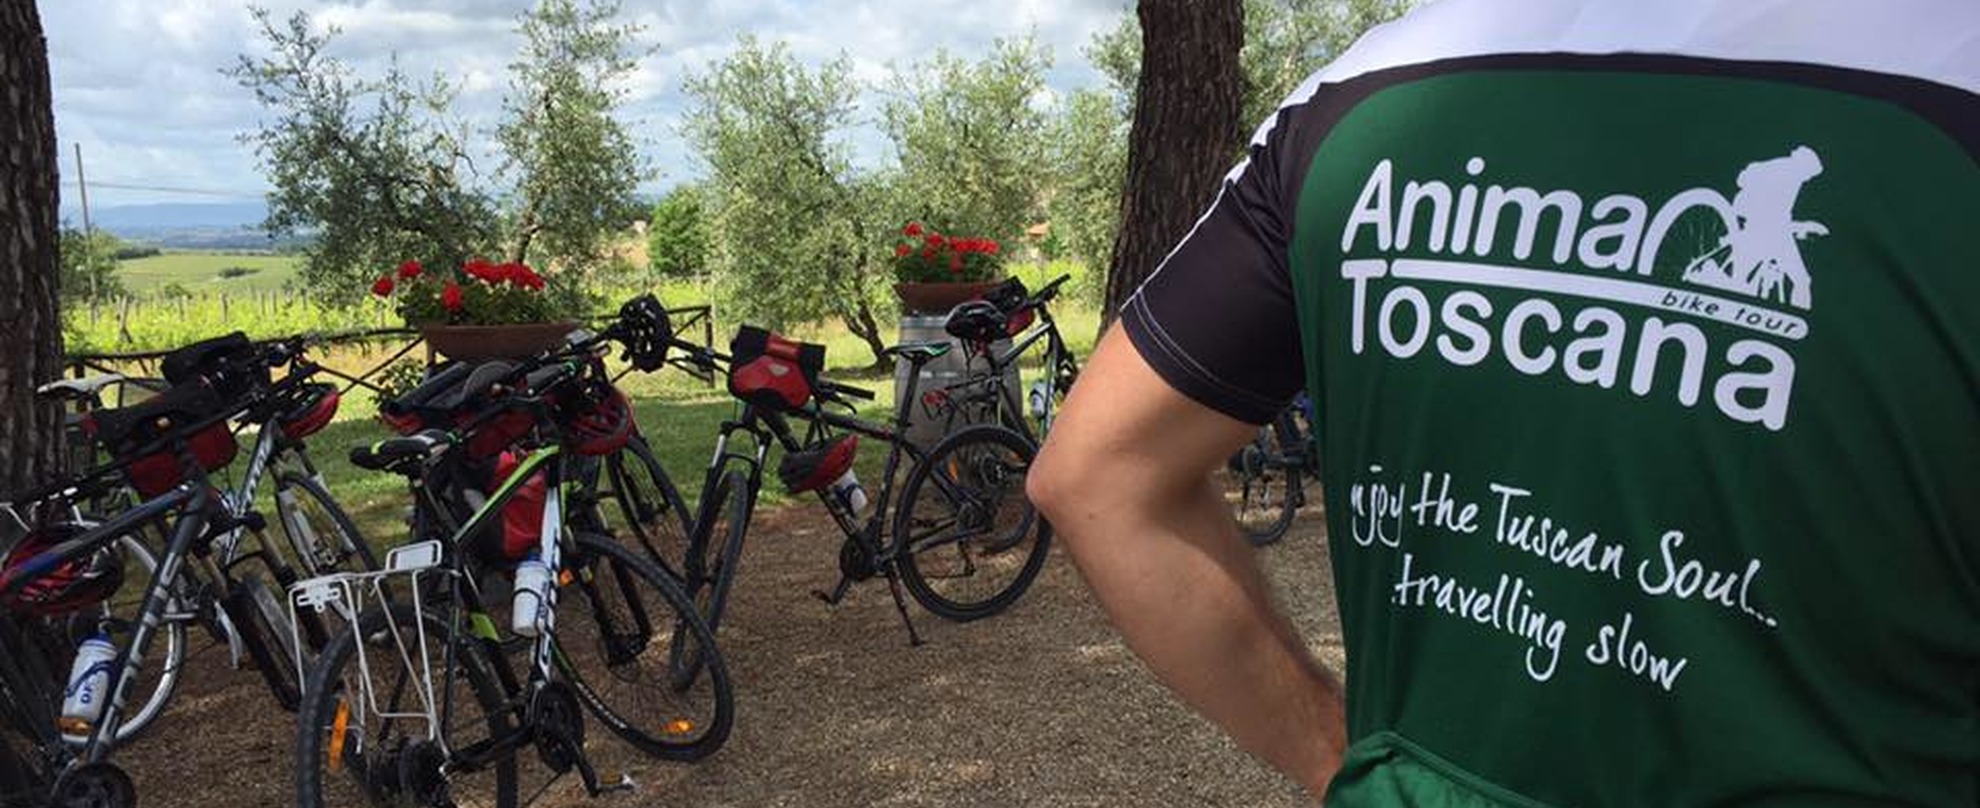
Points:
[(1216, 319)]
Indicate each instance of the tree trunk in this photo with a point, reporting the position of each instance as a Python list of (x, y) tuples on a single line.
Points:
[(1186, 127), (30, 433)]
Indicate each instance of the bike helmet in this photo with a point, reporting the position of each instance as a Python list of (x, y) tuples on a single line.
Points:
[(603, 427), (817, 465), (976, 321), (60, 588), (646, 331), (310, 411)]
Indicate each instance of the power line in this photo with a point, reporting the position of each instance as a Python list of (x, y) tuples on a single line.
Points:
[(171, 190)]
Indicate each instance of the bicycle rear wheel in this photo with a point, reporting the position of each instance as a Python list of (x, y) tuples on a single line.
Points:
[(357, 751), (1260, 486), (970, 542), (618, 620)]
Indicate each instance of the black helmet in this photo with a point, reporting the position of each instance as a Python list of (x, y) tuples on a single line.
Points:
[(976, 321)]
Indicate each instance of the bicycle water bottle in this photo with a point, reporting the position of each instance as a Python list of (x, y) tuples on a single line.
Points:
[(89, 684), (1036, 398), (849, 492), (532, 581)]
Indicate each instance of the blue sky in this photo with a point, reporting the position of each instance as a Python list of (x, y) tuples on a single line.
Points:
[(137, 82)]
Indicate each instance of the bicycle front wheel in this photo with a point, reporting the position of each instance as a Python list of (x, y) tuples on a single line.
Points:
[(648, 506), (322, 535), (969, 542), (619, 620)]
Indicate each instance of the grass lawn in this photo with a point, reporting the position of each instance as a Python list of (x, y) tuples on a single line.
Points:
[(200, 272)]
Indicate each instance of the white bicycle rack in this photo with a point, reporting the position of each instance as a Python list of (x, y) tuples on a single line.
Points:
[(349, 595)]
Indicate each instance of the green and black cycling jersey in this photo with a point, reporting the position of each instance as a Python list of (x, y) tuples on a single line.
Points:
[(1644, 343)]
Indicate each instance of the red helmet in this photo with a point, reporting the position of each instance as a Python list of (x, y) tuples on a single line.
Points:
[(603, 427), (64, 587)]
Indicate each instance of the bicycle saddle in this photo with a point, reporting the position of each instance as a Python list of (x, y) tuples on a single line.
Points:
[(394, 454), (80, 388), (919, 353)]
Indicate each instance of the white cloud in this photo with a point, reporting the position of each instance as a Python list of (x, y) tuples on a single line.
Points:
[(138, 82)]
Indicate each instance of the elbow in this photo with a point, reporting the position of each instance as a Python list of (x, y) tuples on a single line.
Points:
[(1054, 481)]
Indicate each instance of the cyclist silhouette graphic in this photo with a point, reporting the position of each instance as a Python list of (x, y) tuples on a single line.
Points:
[(1759, 257)]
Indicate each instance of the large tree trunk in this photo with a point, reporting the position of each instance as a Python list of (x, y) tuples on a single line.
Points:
[(30, 433), (1186, 128)]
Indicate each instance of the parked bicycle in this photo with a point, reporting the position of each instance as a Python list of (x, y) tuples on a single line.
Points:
[(986, 395), (320, 536), (418, 703), (963, 539), (1266, 479), (167, 447)]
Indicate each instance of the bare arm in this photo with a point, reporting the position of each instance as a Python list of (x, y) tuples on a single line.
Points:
[(1125, 479)]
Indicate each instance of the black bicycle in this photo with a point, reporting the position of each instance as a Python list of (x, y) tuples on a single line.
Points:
[(1266, 479), (987, 393), (63, 567), (963, 540), (418, 703)]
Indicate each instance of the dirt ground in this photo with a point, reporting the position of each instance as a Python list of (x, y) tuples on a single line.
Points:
[(1040, 706)]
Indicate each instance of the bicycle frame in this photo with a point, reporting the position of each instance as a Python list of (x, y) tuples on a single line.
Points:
[(994, 385)]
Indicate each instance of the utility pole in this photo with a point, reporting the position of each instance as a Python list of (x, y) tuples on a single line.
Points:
[(89, 233)]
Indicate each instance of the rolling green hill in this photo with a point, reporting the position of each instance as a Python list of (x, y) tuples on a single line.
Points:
[(200, 271)]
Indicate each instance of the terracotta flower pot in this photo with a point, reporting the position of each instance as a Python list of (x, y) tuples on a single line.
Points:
[(939, 298), (474, 343)]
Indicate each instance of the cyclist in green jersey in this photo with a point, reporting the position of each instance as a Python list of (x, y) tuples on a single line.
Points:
[(1644, 346)]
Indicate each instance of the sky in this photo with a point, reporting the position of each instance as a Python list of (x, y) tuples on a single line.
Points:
[(137, 83)]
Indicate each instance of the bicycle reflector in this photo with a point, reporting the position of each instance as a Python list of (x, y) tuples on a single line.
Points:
[(58, 588)]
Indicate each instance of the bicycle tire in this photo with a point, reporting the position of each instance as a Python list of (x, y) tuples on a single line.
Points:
[(1254, 472), (709, 588), (354, 544), (328, 695), (972, 481), (261, 622), (649, 503), (596, 646)]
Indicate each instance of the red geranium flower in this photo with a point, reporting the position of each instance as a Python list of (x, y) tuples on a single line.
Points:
[(382, 287), (450, 297), (935, 239), (902, 250), (928, 253), (990, 246), (481, 270), (409, 270), (912, 229)]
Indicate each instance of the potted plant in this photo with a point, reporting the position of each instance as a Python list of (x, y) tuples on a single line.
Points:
[(480, 311), (934, 271)]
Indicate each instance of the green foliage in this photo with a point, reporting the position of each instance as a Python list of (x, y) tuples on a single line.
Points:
[(1286, 40), (677, 236), (89, 266), (229, 273), (574, 161), (379, 171), (969, 137), (791, 236), (373, 167), (1089, 165)]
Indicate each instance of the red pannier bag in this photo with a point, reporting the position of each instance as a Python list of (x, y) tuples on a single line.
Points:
[(128, 430), (772, 373)]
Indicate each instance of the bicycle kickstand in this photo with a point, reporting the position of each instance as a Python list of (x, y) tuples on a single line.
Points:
[(837, 594), (900, 605)]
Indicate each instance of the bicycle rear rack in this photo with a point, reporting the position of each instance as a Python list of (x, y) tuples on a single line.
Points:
[(348, 595)]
